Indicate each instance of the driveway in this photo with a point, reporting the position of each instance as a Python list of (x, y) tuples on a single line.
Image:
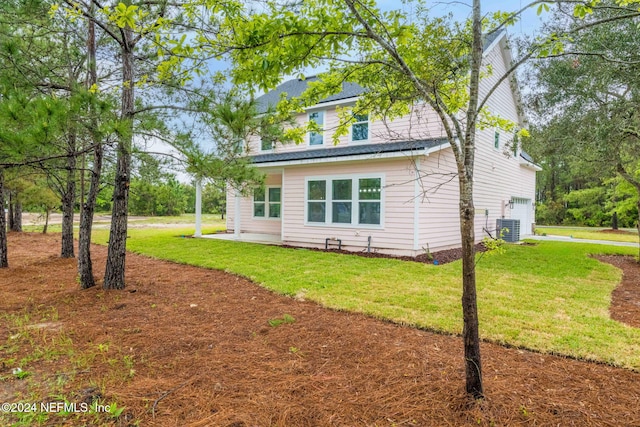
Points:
[(571, 239)]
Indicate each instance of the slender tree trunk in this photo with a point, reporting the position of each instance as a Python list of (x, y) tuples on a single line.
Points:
[(85, 266), (114, 273), (10, 216), (470, 330), (46, 221), (69, 198), (17, 216), (4, 262), (69, 195), (638, 224)]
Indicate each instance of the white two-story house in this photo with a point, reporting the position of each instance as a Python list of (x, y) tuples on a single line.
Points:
[(388, 186)]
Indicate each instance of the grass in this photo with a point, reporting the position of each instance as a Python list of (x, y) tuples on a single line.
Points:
[(588, 233), (551, 297), (30, 347), (210, 222)]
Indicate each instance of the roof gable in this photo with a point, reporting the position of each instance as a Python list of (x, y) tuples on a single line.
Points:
[(294, 88)]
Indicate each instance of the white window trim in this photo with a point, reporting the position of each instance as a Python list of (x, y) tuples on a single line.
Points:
[(324, 118), (266, 216), (270, 150), (355, 213), (368, 122)]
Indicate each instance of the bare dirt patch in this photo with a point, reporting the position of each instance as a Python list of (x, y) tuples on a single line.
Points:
[(203, 352), (612, 231)]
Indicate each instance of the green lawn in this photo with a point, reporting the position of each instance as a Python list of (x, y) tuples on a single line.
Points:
[(588, 233), (551, 297), (210, 223)]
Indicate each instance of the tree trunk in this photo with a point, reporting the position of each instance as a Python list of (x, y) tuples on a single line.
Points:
[(68, 200), (46, 221), (17, 217), (10, 216), (85, 266), (470, 331), (114, 273), (4, 263), (638, 189)]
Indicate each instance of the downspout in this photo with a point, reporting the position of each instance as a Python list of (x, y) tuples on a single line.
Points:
[(416, 206), (198, 232), (236, 216), (283, 194)]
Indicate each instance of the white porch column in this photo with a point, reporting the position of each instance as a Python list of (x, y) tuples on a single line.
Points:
[(198, 232), (236, 216)]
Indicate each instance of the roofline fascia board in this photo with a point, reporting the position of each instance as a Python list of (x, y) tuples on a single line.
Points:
[(529, 165), (350, 158), (437, 148), (323, 105), (488, 49)]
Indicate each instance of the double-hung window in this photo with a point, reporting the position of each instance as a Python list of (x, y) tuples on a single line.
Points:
[(369, 190), (267, 202), (267, 144), (360, 127), (349, 200), (316, 200), (341, 201), (316, 138)]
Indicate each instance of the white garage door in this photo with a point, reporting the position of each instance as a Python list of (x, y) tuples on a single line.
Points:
[(523, 210)]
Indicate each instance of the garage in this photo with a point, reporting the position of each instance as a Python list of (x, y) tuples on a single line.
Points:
[(523, 210)]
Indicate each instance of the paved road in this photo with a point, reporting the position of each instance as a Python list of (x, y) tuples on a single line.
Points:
[(571, 239)]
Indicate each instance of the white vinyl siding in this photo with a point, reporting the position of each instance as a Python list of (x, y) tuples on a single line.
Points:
[(499, 179)]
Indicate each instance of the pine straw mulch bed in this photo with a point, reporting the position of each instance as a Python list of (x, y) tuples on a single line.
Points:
[(204, 354)]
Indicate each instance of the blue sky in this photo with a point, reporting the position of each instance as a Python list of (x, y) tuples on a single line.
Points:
[(461, 10)]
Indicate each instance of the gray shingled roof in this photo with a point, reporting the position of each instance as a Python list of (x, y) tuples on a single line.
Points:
[(295, 87), (488, 39), (351, 150), (527, 157)]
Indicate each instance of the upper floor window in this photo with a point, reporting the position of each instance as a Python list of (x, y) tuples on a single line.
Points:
[(496, 140), (316, 138), (360, 127), (267, 143)]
